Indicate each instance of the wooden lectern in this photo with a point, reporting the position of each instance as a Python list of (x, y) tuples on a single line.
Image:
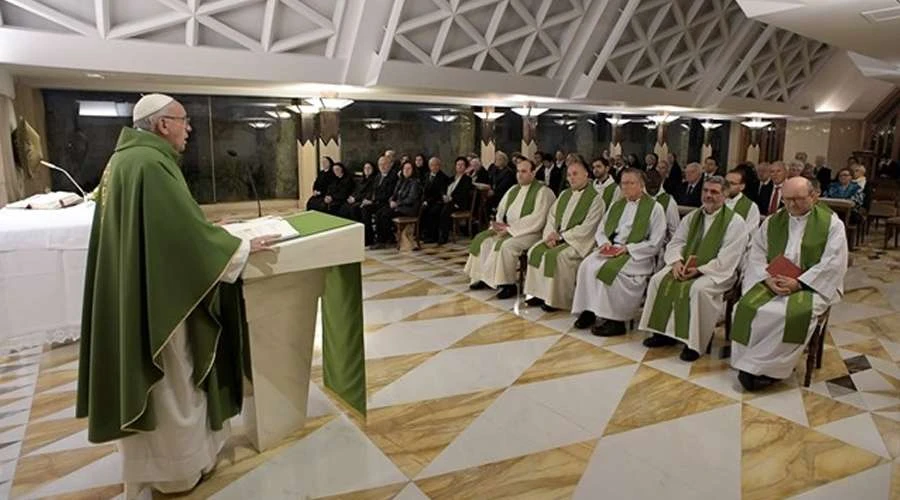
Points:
[(281, 294)]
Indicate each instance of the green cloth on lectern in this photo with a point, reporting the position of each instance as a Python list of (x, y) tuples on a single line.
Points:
[(343, 352), (312, 222), (154, 261)]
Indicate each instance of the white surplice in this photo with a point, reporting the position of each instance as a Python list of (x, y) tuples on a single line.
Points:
[(601, 186), (172, 457), (717, 277), (752, 218), (558, 290), (496, 268), (673, 218), (621, 300), (765, 353)]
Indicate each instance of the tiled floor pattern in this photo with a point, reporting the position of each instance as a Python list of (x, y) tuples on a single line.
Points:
[(471, 397)]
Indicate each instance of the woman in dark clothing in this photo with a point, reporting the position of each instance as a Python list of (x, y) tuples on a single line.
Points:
[(364, 189), (405, 201), (324, 178), (672, 182), (421, 164), (458, 197), (751, 180), (336, 194), (631, 161)]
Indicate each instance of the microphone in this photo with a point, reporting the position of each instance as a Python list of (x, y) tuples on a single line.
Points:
[(60, 169), (232, 153)]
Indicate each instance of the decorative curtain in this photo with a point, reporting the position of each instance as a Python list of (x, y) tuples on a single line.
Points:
[(10, 180)]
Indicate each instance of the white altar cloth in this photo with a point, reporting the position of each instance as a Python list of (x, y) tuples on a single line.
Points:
[(42, 260)]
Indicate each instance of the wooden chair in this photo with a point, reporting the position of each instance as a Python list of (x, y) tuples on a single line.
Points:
[(816, 344), (844, 210), (403, 221), (483, 216), (891, 229), (523, 268), (463, 216), (684, 210)]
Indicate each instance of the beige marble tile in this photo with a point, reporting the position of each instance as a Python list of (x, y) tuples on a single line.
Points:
[(505, 328), (662, 352), (868, 295), (654, 396), (570, 356), (821, 410), (418, 288), (886, 327), (781, 458), (389, 274), (35, 470), (832, 366), (384, 493), (40, 434), (458, 305), (381, 372), (890, 434), (549, 474), (412, 435), (872, 347), (49, 380), (50, 402), (103, 492), (708, 365)]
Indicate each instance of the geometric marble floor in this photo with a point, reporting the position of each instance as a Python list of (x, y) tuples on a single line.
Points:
[(471, 397)]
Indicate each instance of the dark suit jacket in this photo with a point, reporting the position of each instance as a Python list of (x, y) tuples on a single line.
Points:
[(503, 180), (557, 176), (435, 187), (323, 180), (673, 182), (408, 195), (765, 197), (365, 188), (384, 188), (482, 176), (461, 197), (692, 199), (340, 189), (824, 178)]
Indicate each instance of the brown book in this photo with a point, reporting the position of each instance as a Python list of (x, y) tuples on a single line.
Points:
[(691, 262), (611, 251), (781, 266)]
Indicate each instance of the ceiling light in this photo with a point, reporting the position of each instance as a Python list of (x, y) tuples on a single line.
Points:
[(618, 121), (94, 75), (651, 126), (488, 116), (565, 121), (105, 108), (374, 124), (329, 103), (664, 118), (443, 118), (529, 111), (591, 121), (685, 126), (260, 124), (283, 115), (708, 125), (304, 109), (756, 123)]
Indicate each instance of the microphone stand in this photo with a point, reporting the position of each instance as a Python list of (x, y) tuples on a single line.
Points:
[(72, 180)]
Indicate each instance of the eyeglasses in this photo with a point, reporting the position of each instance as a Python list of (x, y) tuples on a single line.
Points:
[(186, 119)]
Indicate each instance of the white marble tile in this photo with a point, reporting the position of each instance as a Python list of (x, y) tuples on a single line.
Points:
[(411, 492), (28, 381), (409, 337), (7, 471), (786, 404), (15, 434), (672, 366), (66, 413), (68, 366), (874, 483), (893, 415), (724, 382), (870, 380), (652, 462), (71, 386), (820, 388), (846, 337), (892, 348), (464, 370), (853, 399), (338, 458), (891, 293), (884, 366), (633, 350), (858, 430), (538, 416), (482, 295), (73, 442), (564, 325), (877, 401), (318, 404), (23, 391), (848, 312), (103, 472), (371, 288), (391, 310)]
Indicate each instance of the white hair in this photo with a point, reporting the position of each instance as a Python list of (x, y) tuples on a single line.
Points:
[(148, 123)]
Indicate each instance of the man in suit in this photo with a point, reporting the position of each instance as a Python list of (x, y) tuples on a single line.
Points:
[(710, 167), (769, 199), (762, 173), (381, 195), (436, 183), (691, 192), (822, 172)]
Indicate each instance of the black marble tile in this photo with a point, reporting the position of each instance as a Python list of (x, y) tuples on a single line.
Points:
[(857, 364)]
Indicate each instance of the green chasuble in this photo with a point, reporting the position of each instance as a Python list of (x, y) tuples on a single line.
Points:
[(550, 255), (664, 199), (639, 232), (154, 262), (608, 193), (742, 207), (527, 208), (799, 304), (674, 295)]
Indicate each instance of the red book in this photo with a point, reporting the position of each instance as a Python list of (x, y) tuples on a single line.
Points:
[(691, 262), (610, 251), (781, 266)]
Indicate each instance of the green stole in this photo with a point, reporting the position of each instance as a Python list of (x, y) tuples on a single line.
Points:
[(799, 304), (608, 193), (550, 255), (742, 207), (664, 199), (639, 232), (527, 208), (675, 295)]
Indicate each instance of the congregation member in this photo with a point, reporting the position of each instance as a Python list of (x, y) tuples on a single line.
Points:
[(618, 165), (324, 178), (690, 193), (844, 188), (777, 314), (385, 183), (859, 175), (153, 374), (405, 201), (541, 166), (391, 156), (458, 197), (434, 188), (503, 177), (612, 281), (568, 238), (673, 176), (821, 172), (710, 168), (477, 172), (794, 169), (335, 196), (650, 161), (751, 181), (422, 169), (559, 159), (521, 215), (765, 183), (631, 161), (740, 203), (769, 200), (684, 299), (364, 189), (604, 183), (554, 174), (665, 200)]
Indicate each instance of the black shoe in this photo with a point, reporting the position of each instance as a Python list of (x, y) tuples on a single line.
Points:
[(585, 320), (753, 383), (535, 301), (507, 292), (478, 285), (609, 328), (689, 355), (548, 308), (658, 340)]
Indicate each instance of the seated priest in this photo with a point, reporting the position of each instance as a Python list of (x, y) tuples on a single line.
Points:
[(434, 187), (794, 272), (666, 200), (458, 197), (740, 203), (568, 238), (684, 300), (521, 214), (612, 281), (604, 182)]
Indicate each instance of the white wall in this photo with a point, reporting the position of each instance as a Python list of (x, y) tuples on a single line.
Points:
[(809, 136)]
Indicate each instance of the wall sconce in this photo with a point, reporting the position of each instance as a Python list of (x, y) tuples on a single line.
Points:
[(488, 116)]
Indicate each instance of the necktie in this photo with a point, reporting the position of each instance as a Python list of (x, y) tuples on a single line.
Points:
[(773, 203)]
